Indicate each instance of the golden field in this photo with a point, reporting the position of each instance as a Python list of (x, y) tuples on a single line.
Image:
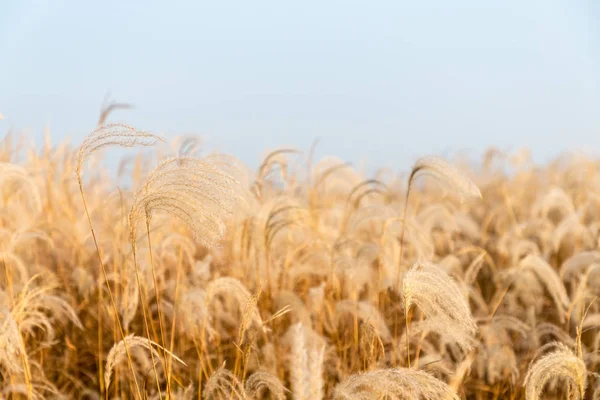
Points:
[(304, 279)]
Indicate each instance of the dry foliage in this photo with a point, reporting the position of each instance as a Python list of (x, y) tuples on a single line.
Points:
[(198, 278)]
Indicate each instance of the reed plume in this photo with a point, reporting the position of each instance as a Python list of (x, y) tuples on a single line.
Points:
[(103, 136), (188, 244), (306, 367), (192, 190), (118, 353), (396, 383), (559, 364)]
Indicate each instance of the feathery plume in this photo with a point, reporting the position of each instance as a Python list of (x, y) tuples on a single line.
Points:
[(446, 174), (560, 364), (10, 342), (118, 353), (223, 384), (261, 381), (400, 383), (428, 287), (194, 191), (548, 276), (112, 135), (233, 288), (306, 367), (367, 313)]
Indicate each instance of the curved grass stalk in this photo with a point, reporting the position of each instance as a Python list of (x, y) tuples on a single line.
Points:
[(124, 136)]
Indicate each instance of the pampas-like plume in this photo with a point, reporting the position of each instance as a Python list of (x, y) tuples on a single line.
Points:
[(21, 180), (263, 380), (306, 367), (438, 296), (196, 192), (183, 393), (236, 290), (559, 364), (10, 342), (223, 384), (396, 383), (108, 135), (113, 135), (548, 276), (367, 313), (40, 391), (446, 174), (36, 308), (193, 323), (118, 353), (573, 266)]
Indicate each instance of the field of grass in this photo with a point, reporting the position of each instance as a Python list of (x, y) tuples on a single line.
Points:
[(303, 279)]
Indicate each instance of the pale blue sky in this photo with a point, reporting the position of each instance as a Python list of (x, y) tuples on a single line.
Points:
[(383, 81)]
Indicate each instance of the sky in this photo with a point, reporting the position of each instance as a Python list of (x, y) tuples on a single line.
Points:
[(382, 82)]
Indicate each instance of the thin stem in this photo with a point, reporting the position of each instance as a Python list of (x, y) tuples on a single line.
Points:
[(100, 336), (27, 369), (9, 285), (143, 304), (112, 299), (398, 275), (175, 302), (157, 296), (407, 333)]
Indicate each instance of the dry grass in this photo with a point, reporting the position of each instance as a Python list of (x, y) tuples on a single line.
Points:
[(202, 279)]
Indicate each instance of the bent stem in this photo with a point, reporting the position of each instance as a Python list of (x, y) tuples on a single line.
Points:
[(112, 299)]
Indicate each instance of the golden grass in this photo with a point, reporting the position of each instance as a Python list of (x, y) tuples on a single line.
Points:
[(203, 279)]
